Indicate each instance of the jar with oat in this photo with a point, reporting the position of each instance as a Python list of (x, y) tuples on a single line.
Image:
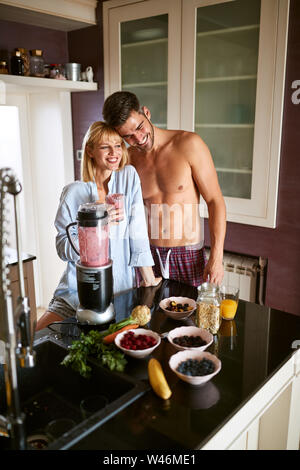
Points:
[(208, 313)]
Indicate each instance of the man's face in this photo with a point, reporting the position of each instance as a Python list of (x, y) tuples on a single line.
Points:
[(137, 131)]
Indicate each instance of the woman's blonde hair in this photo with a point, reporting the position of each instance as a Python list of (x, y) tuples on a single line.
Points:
[(97, 133)]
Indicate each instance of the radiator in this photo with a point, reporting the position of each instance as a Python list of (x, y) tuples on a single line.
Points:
[(246, 273)]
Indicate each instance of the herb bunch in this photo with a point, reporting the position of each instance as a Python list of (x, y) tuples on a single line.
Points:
[(91, 345)]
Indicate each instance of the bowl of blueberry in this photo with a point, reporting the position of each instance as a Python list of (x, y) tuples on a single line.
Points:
[(178, 308), (195, 367), (190, 337), (137, 343)]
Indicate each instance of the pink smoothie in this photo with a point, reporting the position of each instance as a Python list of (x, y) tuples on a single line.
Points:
[(116, 200), (93, 245)]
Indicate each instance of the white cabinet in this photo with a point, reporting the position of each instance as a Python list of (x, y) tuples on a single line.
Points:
[(142, 54), (214, 67), (64, 15)]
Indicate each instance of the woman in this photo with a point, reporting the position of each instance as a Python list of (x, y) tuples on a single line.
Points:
[(104, 171)]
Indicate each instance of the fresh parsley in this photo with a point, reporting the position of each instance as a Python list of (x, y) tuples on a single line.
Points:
[(91, 345)]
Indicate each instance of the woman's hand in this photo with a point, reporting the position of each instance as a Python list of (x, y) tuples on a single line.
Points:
[(115, 216)]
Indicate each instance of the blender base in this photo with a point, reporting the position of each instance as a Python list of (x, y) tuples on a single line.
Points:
[(94, 317)]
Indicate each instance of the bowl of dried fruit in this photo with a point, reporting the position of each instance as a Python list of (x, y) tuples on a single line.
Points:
[(195, 367), (178, 308), (190, 337), (137, 343)]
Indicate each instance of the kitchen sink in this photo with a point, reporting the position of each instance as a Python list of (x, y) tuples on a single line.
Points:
[(50, 391)]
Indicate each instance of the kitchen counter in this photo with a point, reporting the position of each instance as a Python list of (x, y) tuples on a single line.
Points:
[(260, 365)]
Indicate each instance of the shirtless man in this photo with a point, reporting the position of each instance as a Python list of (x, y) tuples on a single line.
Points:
[(175, 168)]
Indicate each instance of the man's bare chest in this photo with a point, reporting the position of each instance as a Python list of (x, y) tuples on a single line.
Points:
[(164, 177)]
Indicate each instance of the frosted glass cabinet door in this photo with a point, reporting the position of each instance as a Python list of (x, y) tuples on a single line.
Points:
[(232, 96), (143, 55)]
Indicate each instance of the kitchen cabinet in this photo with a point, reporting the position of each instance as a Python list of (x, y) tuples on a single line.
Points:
[(63, 15), (142, 54), (214, 67), (28, 275)]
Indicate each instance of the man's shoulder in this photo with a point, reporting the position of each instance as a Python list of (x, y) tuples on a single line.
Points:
[(182, 138)]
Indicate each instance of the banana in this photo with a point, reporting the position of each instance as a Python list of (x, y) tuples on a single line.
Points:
[(157, 379)]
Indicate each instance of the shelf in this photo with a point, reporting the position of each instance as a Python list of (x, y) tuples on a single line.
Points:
[(141, 85), (148, 42), (229, 126), (224, 79), (40, 85), (243, 171), (228, 30)]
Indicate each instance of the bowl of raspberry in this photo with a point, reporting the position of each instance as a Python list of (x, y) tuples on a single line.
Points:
[(195, 367), (137, 343)]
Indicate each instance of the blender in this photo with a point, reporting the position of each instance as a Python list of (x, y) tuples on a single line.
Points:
[(94, 270)]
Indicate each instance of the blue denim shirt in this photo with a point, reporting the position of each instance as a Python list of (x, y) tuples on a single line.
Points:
[(129, 243)]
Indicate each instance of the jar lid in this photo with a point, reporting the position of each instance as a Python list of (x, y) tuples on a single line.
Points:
[(37, 52), (208, 287), (17, 53), (92, 212)]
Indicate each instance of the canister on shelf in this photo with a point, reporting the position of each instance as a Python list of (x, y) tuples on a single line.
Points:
[(25, 57), (36, 63), (208, 307), (17, 64), (3, 67)]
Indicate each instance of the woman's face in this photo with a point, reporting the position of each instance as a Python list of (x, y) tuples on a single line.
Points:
[(107, 155)]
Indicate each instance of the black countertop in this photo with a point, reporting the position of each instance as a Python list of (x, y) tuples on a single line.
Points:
[(252, 348)]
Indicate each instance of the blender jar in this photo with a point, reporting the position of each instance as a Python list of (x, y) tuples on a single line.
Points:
[(93, 234)]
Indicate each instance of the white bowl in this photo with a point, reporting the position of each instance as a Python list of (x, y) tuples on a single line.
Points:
[(181, 356), (140, 353), (179, 300), (190, 331)]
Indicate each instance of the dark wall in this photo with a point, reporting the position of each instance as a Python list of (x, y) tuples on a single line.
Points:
[(54, 44), (86, 48)]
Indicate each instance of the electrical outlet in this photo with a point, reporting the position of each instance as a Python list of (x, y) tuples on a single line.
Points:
[(79, 155)]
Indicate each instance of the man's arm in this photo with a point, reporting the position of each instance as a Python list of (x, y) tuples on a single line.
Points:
[(205, 177)]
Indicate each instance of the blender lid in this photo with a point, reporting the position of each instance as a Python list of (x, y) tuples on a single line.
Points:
[(92, 211)]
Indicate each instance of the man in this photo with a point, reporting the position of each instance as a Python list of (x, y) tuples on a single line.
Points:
[(175, 168)]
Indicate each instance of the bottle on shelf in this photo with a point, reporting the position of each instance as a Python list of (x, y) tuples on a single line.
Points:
[(17, 64), (3, 67), (36, 63), (25, 57)]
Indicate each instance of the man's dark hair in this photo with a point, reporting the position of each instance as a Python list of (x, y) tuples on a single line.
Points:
[(118, 106)]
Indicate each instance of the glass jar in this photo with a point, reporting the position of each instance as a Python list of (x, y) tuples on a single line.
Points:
[(37, 63), (26, 61), (17, 64), (208, 314), (3, 67)]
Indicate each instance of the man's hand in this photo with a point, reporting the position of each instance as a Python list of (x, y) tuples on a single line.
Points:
[(150, 283), (214, 271)]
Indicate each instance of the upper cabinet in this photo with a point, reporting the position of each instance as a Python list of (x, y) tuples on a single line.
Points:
[(142, 54), (63, 15), (214, 67)]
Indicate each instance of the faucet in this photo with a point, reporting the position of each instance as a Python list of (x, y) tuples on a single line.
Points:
[(15, 328)]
